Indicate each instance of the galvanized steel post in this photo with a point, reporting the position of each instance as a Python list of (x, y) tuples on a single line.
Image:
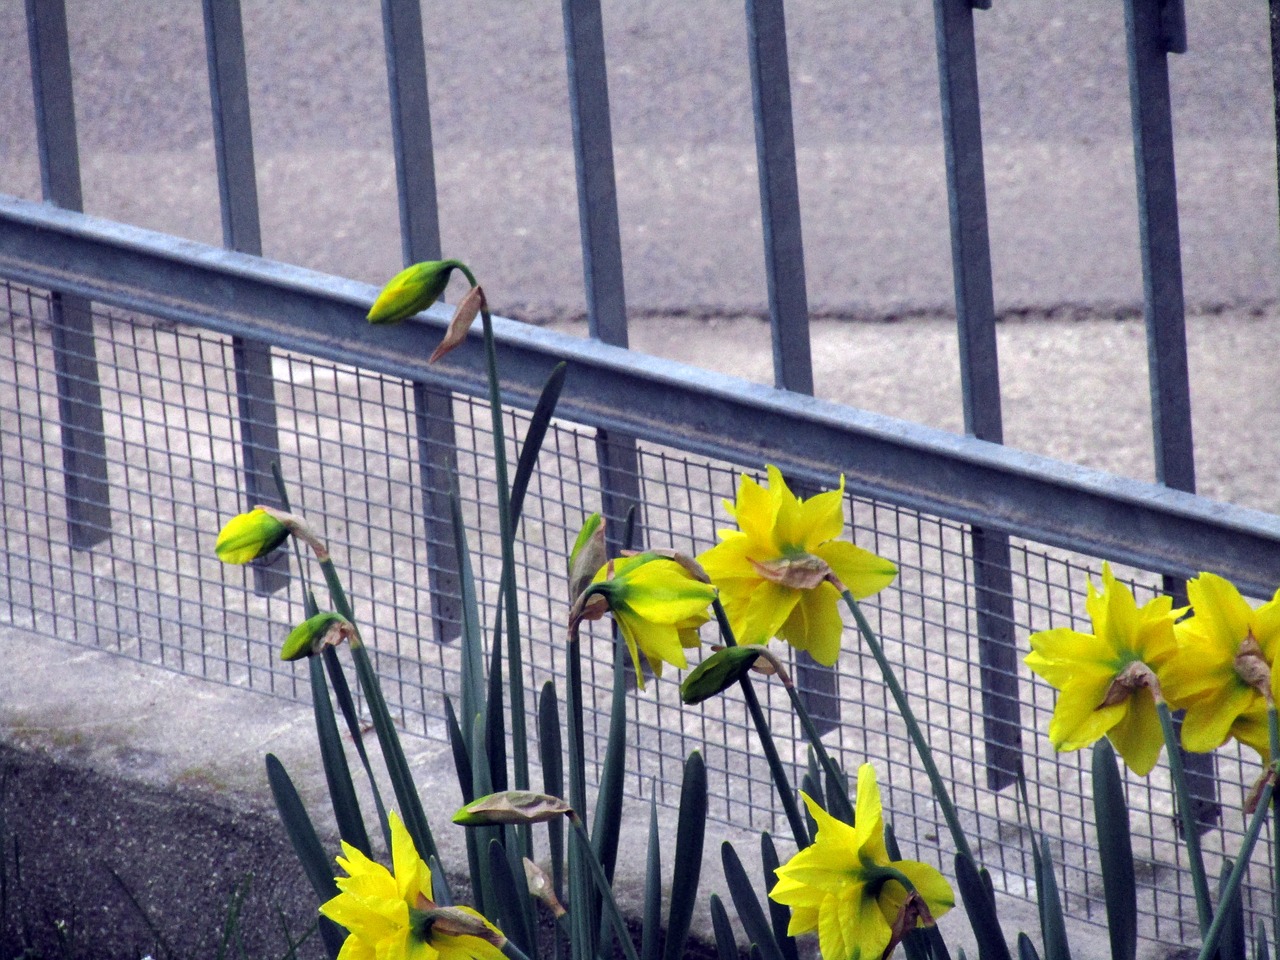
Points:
[(241, 231), (420, 240), (979, 377), (616, 453), (84, 452)]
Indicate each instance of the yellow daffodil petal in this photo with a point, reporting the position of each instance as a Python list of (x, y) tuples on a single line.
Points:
[(815, 624), (374, 906), (862, 572), (1138, 736)]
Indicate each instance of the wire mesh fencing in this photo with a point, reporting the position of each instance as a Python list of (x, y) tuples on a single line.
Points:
[(351, 449)]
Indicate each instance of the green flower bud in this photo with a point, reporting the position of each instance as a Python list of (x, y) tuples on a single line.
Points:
[(511, 806), (249, 536), (412, 290), (311, 636), (587, 556), (717, 673)]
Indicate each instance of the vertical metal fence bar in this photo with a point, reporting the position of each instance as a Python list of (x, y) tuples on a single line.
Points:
[(601, 242), (784, 262), (979, 376), (241, 231), (84, 452), (779, 195), (1153, 30), (420, 240)]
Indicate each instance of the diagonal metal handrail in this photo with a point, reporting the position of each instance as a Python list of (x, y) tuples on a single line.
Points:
[(922, 468)]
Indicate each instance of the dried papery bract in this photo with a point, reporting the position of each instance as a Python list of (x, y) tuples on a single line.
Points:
[(464, 315)]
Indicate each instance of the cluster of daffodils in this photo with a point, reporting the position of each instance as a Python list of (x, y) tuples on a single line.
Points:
[(780, 574), (1216, 664)]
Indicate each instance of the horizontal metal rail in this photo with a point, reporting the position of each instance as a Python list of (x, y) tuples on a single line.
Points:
[(941, 473)]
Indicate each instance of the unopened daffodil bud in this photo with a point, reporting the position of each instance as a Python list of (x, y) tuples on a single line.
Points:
[(310, 637), (587, 556), (249, 536), (412, 290), (511, 806), (718, 673)]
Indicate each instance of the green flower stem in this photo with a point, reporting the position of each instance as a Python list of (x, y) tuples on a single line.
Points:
[(1273, 730), (1195, 859), (1232, 888), (509, 949), (940, 792), (799, 829), (414, 817), (580, 924), (835, 781), (515, 660), (602, 883)]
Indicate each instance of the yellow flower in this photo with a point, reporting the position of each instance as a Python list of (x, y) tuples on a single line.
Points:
[(775, 571), (658, 604), (1222, 672), (845, 886), (249, 536), (1106, 680), (412, 290), (391, 916)]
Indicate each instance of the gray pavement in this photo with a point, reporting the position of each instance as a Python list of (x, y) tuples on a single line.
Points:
[(864, 80)]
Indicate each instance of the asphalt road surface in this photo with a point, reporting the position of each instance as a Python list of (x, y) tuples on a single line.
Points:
[(864, 81)]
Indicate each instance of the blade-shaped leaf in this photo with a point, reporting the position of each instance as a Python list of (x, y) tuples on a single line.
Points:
[(650, 934), (981, 908), (539, 420), (726, 943), (342, 792), (346, 703), (495, 720), (510, 899), (779, 913), (405, 790), (1115, 851), (550, 749), (1053, 926), (473, 685), (754, 922), (306, 844), (441, 892), (687, 869), (607, 824), (461, 755), (1231, 945), (1026, 949)]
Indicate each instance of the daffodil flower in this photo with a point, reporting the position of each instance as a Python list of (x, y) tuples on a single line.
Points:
[(390, 916), (781, 573), (657, 602), (1223, 672), (845, 886), (1108, 681), (251, 535)]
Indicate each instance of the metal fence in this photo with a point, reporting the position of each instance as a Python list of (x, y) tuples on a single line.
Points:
[(153, 380)]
